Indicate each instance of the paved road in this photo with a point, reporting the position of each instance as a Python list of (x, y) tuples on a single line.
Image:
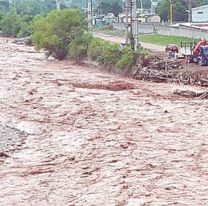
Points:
[(119, 40)]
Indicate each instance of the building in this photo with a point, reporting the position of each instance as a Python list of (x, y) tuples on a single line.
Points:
[(154, 4), (199, 14)]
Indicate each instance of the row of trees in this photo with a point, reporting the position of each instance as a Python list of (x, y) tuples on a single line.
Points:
[(180, 8), (27, 7), (34, 7), (12, 24), (16, 16)]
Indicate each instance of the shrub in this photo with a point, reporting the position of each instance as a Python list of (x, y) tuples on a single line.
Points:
[(79, 46), (26, 28), (110, 54), (1, 16), (127, 59), (55, 31), (11, 24), (104, 52), (96, 48), (144, 52)]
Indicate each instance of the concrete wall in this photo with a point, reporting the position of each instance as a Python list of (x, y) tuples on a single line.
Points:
[(183, 31), (119, 26), (146, 28), (143, 28)]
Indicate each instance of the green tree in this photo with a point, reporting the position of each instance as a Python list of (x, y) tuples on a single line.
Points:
[(4, 6), (198, 2), (78, 48), (55, 31), (179, 9), (11, 24), (109, 6), (78, 4), (34, 7), (1, 16), (146, 4), (26, 26), (163, 10)]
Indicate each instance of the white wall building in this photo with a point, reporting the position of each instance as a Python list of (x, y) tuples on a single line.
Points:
[(200, 14)]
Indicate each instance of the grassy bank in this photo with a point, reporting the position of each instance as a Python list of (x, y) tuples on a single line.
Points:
[(109, 55), (164, 40), (153, 38)]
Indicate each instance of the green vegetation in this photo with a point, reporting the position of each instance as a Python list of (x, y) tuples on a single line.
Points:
[(153, 38), (179, 9), (104, 52), (126, 60), (110, 55), (26, 28), (10, 24), (14, 25), (109, 6), (55, 31), (78, 47), (164, 40)]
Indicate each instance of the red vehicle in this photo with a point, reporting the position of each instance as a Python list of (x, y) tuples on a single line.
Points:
[(198, 53), (172, 48)]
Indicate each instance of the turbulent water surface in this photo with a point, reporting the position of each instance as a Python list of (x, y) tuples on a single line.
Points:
[(76, 136)]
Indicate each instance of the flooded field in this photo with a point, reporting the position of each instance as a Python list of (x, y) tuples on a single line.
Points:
[(77, 136)]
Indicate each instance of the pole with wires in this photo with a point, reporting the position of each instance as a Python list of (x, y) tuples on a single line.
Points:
[(58, 5), (127, 12), (189, 11), (142, 12), (171, 12), (89, 15), (134, 24)]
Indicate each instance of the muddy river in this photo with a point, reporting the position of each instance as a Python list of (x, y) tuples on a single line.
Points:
[(75, 136)]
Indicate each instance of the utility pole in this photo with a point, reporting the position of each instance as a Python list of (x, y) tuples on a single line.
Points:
[(189, 11), (13, 4), (89, 15), (127, 11), (142, 12), (171, 12), (58, 5), (99, 7), (151, 9), (134, 23)]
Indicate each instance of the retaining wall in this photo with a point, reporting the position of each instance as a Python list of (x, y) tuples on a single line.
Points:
[(183, 31)]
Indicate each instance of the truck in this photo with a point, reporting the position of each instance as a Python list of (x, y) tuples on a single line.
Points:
[(195, 52)]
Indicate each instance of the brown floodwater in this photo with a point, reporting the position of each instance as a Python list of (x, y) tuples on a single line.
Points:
[(76, 136)]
